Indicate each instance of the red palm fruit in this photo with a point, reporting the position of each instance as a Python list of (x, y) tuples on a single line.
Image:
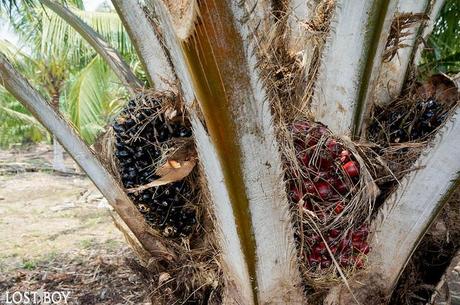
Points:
[(322, 175), (312, 141), (359, 234), (322, 164), (316, 133), (344, 261), (364, 229), (339, 207), (333, 249), (358, 262), (325, 263), (310, 188), (325, 163), (304, 158), (356, 238), (324, 190), (345, 156), (340, 186), (343, 244), (357, 244), (299, 144), (320, 248), (351, 168), (300, 127), (333, 147), (314, 259), (295, 194), (334, 233), (365, 248), (330, 240)]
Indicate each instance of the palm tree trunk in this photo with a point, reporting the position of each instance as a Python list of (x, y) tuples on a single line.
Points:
[(213, 52), (58, 150)]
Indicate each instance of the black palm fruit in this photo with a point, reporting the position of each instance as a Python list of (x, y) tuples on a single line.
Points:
[(141, 132), (403, 124)]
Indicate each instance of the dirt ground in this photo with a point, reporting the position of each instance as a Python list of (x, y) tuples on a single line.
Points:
[(56, 233)]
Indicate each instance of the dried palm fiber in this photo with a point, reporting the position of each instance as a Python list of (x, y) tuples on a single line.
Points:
[(400, 131), (399, 30), (159, 174), (326, 215)]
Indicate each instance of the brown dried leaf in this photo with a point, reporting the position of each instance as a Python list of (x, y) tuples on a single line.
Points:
[(440, 86), (171, 113), (170, 172)]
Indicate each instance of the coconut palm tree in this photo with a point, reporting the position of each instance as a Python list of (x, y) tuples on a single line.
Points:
[(226, 57), (54, 57)]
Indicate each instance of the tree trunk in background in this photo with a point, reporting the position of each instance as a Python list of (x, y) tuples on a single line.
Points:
[(58, 156), (58, 150)]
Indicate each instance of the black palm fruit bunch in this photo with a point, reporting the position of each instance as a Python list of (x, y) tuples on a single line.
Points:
[(150, 127), (405, 122), (323, 187)]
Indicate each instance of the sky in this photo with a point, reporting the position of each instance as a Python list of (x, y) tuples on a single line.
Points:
[(91, 5), (8, 34)]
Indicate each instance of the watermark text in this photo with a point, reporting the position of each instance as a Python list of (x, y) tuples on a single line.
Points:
[(35, 297)]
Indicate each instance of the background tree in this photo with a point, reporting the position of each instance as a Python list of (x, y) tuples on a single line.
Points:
[(66, 68)]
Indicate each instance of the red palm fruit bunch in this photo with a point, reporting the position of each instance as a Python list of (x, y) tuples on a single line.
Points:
[(326, 186)]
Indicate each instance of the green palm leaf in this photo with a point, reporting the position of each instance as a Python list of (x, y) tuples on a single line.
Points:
[(58, 37), (90, 102), (16, 123), (442, 54)]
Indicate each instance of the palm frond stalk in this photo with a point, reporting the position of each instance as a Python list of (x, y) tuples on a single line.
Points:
[(254, 201), (110, 55), (355, 34), (404, 32), (82, 154), (145, 38)]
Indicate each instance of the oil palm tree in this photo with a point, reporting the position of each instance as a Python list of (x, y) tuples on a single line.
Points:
[(213, 53)]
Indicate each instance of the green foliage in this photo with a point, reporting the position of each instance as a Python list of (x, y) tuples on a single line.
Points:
[(17, 125), (61, 65), (58, 37), (93, 99), (442, 54)]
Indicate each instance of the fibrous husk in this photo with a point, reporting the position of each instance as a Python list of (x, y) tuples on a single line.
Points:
[(400, 131), (402, 26), (195, 276)]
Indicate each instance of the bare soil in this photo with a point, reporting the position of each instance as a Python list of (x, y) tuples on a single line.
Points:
[(56, 234)]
